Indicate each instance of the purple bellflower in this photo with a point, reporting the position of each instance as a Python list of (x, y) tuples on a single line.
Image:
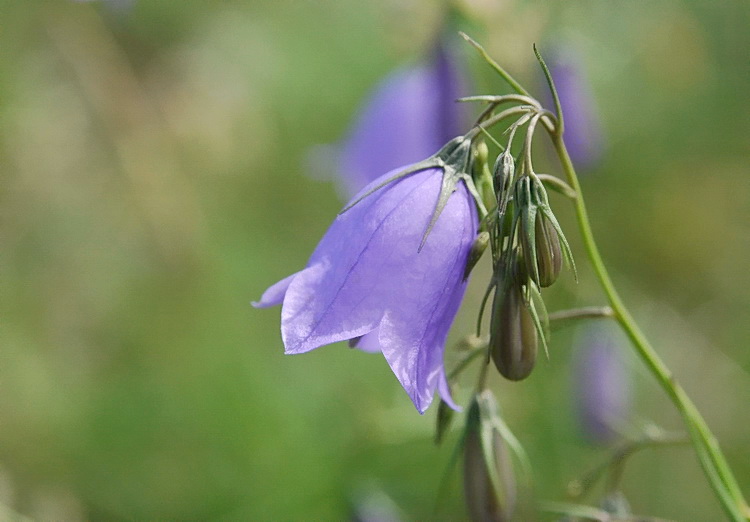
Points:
[(583, 130), (389, 274), (411, 114), (118, 6), (601, 385)]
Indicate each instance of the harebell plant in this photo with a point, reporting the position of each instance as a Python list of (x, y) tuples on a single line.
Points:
[(390, 273)]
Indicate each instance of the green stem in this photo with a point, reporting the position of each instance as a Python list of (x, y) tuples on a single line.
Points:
[(588, 312), (498, 68), (711, 458)]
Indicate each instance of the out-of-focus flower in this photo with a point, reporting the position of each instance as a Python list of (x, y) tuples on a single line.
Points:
[(376, 276), (487, 499), (583, 130), (119, 6), (601, 384), (373, 505), (409, 116)]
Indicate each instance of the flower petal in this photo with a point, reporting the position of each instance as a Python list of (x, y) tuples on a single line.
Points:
[(274, 295), (414, 329), (360, 265)]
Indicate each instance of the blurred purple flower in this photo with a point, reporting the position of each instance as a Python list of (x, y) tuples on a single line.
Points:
[(602, 392), (119, 6), (583, 131), (411, 114), (367, 278)]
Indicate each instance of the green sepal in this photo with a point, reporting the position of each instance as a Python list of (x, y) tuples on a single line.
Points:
[(540, 320), (526, 210), (488, 437), (436, 161), (454, 159), (542, 201)]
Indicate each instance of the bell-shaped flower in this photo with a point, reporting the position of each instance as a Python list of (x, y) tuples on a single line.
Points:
[(117, 6), (410, 115), (601, 385), (389, 272)]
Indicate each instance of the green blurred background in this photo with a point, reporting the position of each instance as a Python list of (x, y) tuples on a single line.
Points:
[(155, 181)]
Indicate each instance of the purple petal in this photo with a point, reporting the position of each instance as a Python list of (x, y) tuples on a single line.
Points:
[(601, 385), (367, 277), (275, 293), (583, 130)]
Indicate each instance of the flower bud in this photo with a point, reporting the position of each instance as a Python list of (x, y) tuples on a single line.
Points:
[(477, 249), (504, 170), (487, 502), (549, 255), (539, 236), (513, 336), (482, 153)]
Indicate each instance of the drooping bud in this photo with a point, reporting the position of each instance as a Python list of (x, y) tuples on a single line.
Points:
[(489, 482), (505, 168), (513, 335), (482, 153), (539, 232), (549, 257), (477, 249)]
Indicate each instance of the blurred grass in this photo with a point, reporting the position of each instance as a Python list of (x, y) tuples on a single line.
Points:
[(154, 183)]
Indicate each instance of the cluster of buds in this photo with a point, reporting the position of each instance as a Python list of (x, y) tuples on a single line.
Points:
[(528, 250)]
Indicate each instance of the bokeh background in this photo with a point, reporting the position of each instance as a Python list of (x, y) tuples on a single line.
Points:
[(156, 177)]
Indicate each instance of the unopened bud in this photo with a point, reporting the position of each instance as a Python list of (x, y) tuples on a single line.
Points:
[(477, 249), (503, 173), (482, 152), (513, 336), (488, 501), (549, 257), (539, 236)]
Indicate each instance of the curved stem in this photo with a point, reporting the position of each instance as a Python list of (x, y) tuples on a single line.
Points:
[(711, 458)]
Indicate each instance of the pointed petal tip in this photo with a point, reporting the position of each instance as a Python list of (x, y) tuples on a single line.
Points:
[(275, 293), (445, 392), (422, 408)]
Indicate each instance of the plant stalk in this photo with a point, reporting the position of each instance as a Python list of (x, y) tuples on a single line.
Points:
[(710, 456)]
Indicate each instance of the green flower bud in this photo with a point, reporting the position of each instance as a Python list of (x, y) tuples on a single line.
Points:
[(539, 233), (487, 502), (513, 336), (549, 256), (503, 174), (477, 249), (482, 153)]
